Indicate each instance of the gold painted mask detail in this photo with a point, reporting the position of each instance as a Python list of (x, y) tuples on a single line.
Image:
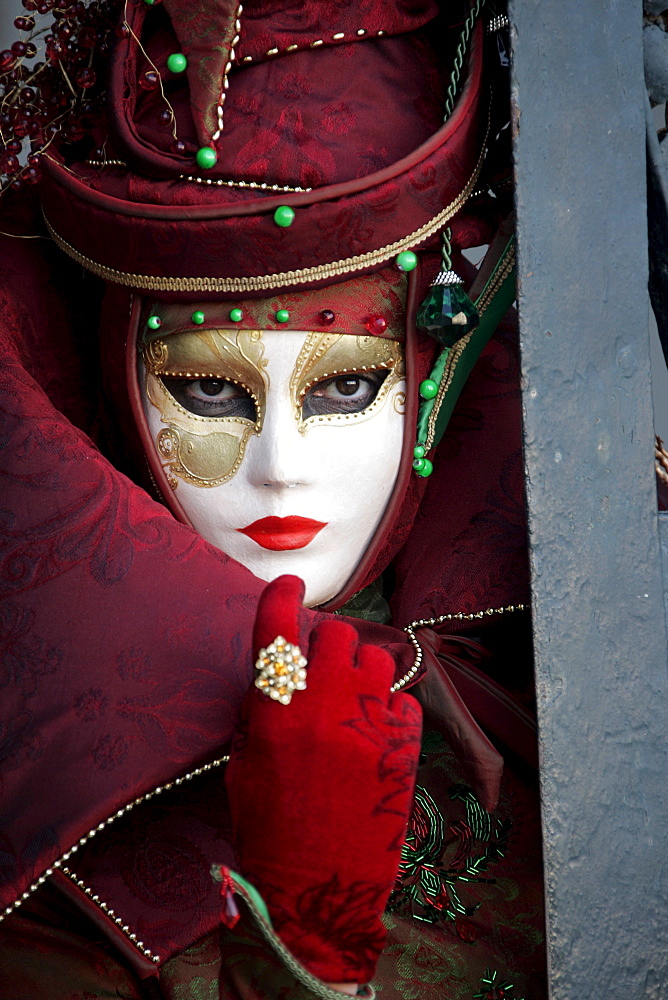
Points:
[(205, 451), (325, 355)]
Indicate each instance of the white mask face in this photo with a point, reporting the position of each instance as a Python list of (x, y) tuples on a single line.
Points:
[(285, 449)]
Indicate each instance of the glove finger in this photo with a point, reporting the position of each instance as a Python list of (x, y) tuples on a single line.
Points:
[(278, 612), (377, 669), (331, 654), (337, 664)]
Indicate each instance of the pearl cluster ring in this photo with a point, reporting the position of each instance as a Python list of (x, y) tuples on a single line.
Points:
[(281, 670)]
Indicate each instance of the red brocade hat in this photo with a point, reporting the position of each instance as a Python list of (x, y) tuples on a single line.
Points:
[(254, 150)]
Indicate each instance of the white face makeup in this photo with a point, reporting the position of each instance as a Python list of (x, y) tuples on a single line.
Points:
[(280, 463)]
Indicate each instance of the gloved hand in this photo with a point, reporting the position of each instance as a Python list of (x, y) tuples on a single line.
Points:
[(320, 791)]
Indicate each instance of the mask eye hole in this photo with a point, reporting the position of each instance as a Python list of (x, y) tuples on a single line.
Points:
[(212, 397), (347, 393)]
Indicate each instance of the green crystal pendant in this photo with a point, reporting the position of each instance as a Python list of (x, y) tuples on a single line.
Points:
[(447, 313)]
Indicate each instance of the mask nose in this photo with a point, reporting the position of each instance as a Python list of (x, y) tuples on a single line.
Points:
[(278, 458)]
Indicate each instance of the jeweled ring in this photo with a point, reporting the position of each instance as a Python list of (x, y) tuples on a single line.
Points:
[(280, 670)]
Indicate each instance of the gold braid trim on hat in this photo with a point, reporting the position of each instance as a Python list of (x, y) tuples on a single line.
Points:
[(266, 282)]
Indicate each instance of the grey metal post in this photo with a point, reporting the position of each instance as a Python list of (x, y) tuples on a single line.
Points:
[(600, 633)]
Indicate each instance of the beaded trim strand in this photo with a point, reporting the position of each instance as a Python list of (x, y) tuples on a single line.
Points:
[(271, 281), (60, 863), (429, 622), (139, 945), (226, 83), (339, 36), (254, 185)]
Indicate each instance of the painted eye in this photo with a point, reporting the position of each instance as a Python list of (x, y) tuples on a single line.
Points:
[(211, 397), (349, 393)]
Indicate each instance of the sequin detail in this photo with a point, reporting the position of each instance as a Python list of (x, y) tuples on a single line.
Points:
[(434, 865)]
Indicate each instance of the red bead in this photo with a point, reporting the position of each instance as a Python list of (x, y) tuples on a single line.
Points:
[(55, 49), (32, 175), (24, 23), (165, 117), (30, 4), (19, 49), (14, 146), (21, 127), (35, 159), (87, 37), (179, 147), (326, 317), (74, 131), (149, 79), (17, 184), (7, 61), (9, 164), (31, 50), (376, 325), (27, 95), (86, 78), (64, 30)]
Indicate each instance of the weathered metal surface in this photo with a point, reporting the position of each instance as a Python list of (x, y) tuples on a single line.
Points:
[(600, 634), (663, 533)]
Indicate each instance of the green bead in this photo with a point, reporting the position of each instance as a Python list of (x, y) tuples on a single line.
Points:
[(447, 313), (236, 315), (177, 62), (284, 216), (428, 388), (206, 157), (198, 317), (426, 468), (418, 451), (149, 3), (154, 322), (406, 260), (282, 316)]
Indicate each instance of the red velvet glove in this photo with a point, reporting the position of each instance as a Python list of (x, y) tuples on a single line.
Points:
[(321, 790)]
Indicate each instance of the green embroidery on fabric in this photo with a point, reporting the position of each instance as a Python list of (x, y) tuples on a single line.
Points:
[(433, 869), (493, 990), (368, 604)]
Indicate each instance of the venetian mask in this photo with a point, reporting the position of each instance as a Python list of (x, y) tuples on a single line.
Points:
[(283, 447)]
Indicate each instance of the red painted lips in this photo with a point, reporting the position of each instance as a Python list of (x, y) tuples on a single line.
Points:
[(279, 533)]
